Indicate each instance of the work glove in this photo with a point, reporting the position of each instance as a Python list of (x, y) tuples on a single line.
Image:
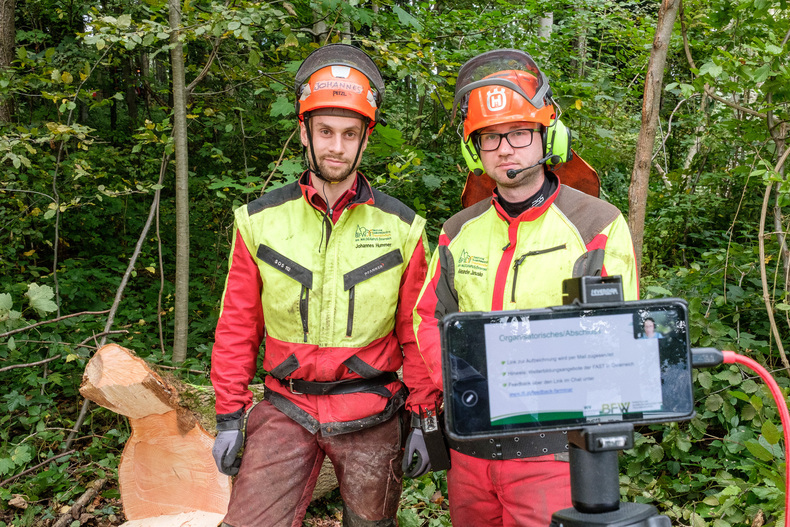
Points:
[(415, 460), (227, 445)]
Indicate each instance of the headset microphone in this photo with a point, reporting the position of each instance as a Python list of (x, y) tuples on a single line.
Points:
[(552, 158)]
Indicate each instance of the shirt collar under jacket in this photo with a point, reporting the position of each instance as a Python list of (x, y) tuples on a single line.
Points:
[(360, 192), (532, 207)]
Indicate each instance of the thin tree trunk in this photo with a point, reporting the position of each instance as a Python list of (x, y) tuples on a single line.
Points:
[(7, 41), (182, 185), (637, 193), (546, 24)]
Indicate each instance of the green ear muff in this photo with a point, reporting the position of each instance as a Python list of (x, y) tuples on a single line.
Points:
[(471, 156), (557, 141)]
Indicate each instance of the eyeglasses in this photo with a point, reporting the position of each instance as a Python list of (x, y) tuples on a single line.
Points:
[(490, 141)]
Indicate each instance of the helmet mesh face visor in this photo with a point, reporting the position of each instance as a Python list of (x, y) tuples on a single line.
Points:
[(481, 71)]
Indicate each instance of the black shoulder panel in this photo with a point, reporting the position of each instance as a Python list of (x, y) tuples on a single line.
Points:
[(590, 215), (393, 206), (275, 197), (453, 226)]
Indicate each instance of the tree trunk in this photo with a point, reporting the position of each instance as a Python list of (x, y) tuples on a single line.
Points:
[(182, 185), (166, 468), (167, 475), (7, 41), (637, 193), (546, 25)]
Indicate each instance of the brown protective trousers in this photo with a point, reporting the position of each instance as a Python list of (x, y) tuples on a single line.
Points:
[(281, 462)]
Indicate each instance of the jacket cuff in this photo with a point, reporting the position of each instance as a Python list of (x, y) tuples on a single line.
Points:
[(233, 421)]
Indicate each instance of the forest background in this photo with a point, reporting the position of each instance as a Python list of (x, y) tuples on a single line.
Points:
[(110, 232)]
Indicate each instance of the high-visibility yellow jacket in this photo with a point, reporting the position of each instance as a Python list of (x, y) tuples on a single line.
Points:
[(487, 261), (334, 291)]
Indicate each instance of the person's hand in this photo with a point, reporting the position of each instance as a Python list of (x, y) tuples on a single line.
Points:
[(415, 460), (226, 449)]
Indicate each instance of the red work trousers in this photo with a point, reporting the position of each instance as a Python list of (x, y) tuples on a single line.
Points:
[(509, 493), (281, 462)]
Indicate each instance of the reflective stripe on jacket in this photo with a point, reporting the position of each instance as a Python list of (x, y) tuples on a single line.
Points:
[(337, 304), (486, 261)]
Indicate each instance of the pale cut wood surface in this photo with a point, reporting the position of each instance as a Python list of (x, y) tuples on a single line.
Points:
[(166, 467), (167, 475)]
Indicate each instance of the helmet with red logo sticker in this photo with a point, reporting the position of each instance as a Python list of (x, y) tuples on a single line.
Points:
[(338, 79)]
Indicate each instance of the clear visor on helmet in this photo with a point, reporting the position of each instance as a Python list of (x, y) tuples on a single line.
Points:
[(341, 55), (474, 72)]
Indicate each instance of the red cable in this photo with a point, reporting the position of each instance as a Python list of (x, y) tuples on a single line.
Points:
[(730, 357)]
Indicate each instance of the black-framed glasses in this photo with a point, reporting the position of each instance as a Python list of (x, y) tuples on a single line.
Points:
[(490, 141)]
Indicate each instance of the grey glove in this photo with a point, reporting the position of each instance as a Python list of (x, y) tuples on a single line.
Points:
[(227, 444), (418, 452)]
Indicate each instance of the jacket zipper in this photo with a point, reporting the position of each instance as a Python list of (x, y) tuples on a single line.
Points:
[(521, 259)]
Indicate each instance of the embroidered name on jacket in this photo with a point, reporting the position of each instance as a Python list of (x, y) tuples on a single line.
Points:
[(472, 265), (369, 238)]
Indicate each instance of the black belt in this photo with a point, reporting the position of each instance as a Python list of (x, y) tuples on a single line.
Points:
[(513, 447), (373, 385)]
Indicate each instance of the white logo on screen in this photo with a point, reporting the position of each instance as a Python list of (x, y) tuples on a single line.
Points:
[(495, 99)]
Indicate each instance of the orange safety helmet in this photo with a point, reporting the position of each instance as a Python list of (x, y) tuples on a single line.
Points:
[(502, 86), (339, 76)]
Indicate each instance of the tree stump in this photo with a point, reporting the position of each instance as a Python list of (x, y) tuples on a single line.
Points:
[(166, 475)]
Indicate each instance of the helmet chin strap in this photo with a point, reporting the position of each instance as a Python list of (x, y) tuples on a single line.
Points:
[(315, 169)]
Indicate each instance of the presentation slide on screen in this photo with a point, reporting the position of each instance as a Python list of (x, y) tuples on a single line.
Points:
[(540, 370)]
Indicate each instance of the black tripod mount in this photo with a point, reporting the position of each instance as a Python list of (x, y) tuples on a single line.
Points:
[(595, 485)]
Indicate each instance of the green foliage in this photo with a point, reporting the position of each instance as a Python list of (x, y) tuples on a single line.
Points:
[(92, 125), (424, 502)]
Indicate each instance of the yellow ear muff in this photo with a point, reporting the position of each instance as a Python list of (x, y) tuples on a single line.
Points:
[(471, 156), (557, 142)]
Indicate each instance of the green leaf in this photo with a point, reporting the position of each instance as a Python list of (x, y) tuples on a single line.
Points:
[(432, 181), (6, 465), (22, 455), (713, 402), (6, 302), (658, 290), (771, 432), (234, 24), (40, 297), (705, 379), (406, 19), (710, 68), (125, 20), (408, 518), (11, 343), (282, 106), (759, 451)]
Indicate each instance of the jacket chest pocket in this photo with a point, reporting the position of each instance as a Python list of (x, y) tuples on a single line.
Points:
[(365, 272), (520, 260), (293, 270)]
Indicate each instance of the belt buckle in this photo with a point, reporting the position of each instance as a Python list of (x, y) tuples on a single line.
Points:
[(291, 387)]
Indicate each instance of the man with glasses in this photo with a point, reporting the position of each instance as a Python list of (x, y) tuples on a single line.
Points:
[(512, 251)]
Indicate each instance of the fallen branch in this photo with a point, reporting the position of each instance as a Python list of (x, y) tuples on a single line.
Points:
[(30, 364), (74, 513), (51, 321), (33, 469)]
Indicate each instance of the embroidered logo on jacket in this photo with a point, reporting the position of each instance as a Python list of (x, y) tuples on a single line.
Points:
[(365, 237), (473, 265)]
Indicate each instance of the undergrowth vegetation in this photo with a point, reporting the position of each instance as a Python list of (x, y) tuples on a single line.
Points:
[(88, 132)]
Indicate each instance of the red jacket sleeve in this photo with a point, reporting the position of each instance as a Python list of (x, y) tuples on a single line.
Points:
[(239, 331), (422, 392), (438, 298)]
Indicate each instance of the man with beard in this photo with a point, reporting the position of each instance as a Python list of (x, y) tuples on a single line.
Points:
[(513, 251), (327, 270)]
